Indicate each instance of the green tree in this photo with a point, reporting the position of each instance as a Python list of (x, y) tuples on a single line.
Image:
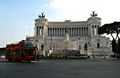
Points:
[(112, 28), (114, 46), (118, 48)]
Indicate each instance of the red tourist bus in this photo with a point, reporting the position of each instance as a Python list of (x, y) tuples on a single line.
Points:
[(23, 51)]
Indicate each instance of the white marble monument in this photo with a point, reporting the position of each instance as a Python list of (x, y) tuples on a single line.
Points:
[(80, 33)]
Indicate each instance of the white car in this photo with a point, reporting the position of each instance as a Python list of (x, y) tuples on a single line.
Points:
[(2, 56)]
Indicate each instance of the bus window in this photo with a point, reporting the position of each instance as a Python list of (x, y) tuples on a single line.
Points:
[(12, 53), (17, 52), (28, 52), (34, 52), (8, 52)]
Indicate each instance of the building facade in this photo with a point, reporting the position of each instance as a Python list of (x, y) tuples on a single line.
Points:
[(72, 35)]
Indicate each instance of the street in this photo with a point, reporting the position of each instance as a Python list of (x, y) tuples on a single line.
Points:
[(83, 68)]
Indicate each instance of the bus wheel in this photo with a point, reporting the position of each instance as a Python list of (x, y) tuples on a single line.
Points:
[(29, 61), (17, 60), (10, 60)]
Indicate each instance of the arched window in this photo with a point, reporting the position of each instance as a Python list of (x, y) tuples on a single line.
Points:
[(98, 45), (86, 47)]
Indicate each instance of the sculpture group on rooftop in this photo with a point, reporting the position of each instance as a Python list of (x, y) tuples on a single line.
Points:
[(93, 14), (42, 15)]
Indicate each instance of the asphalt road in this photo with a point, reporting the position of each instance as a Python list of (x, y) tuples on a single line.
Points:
[(85, 68)]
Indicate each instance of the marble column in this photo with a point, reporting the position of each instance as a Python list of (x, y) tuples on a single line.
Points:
[(78, 31), (60, 31), (52, 31), (86, 31), (82, 31), (55, 32), (38, 31), (75, 31), (64, 31), (71, 31)]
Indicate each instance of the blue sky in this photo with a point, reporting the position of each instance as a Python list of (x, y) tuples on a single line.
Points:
[(17, 19), (17, 16)]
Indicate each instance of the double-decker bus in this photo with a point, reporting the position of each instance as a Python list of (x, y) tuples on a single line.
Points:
[(22, 51)]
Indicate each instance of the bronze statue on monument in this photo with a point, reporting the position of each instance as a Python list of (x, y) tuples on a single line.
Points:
[(42, 15), (93, 14)]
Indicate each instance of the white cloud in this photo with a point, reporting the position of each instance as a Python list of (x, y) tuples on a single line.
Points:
[(66, 4), (29, 30), (68, 8), (108, 10), (26, 27), (17, 36)]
